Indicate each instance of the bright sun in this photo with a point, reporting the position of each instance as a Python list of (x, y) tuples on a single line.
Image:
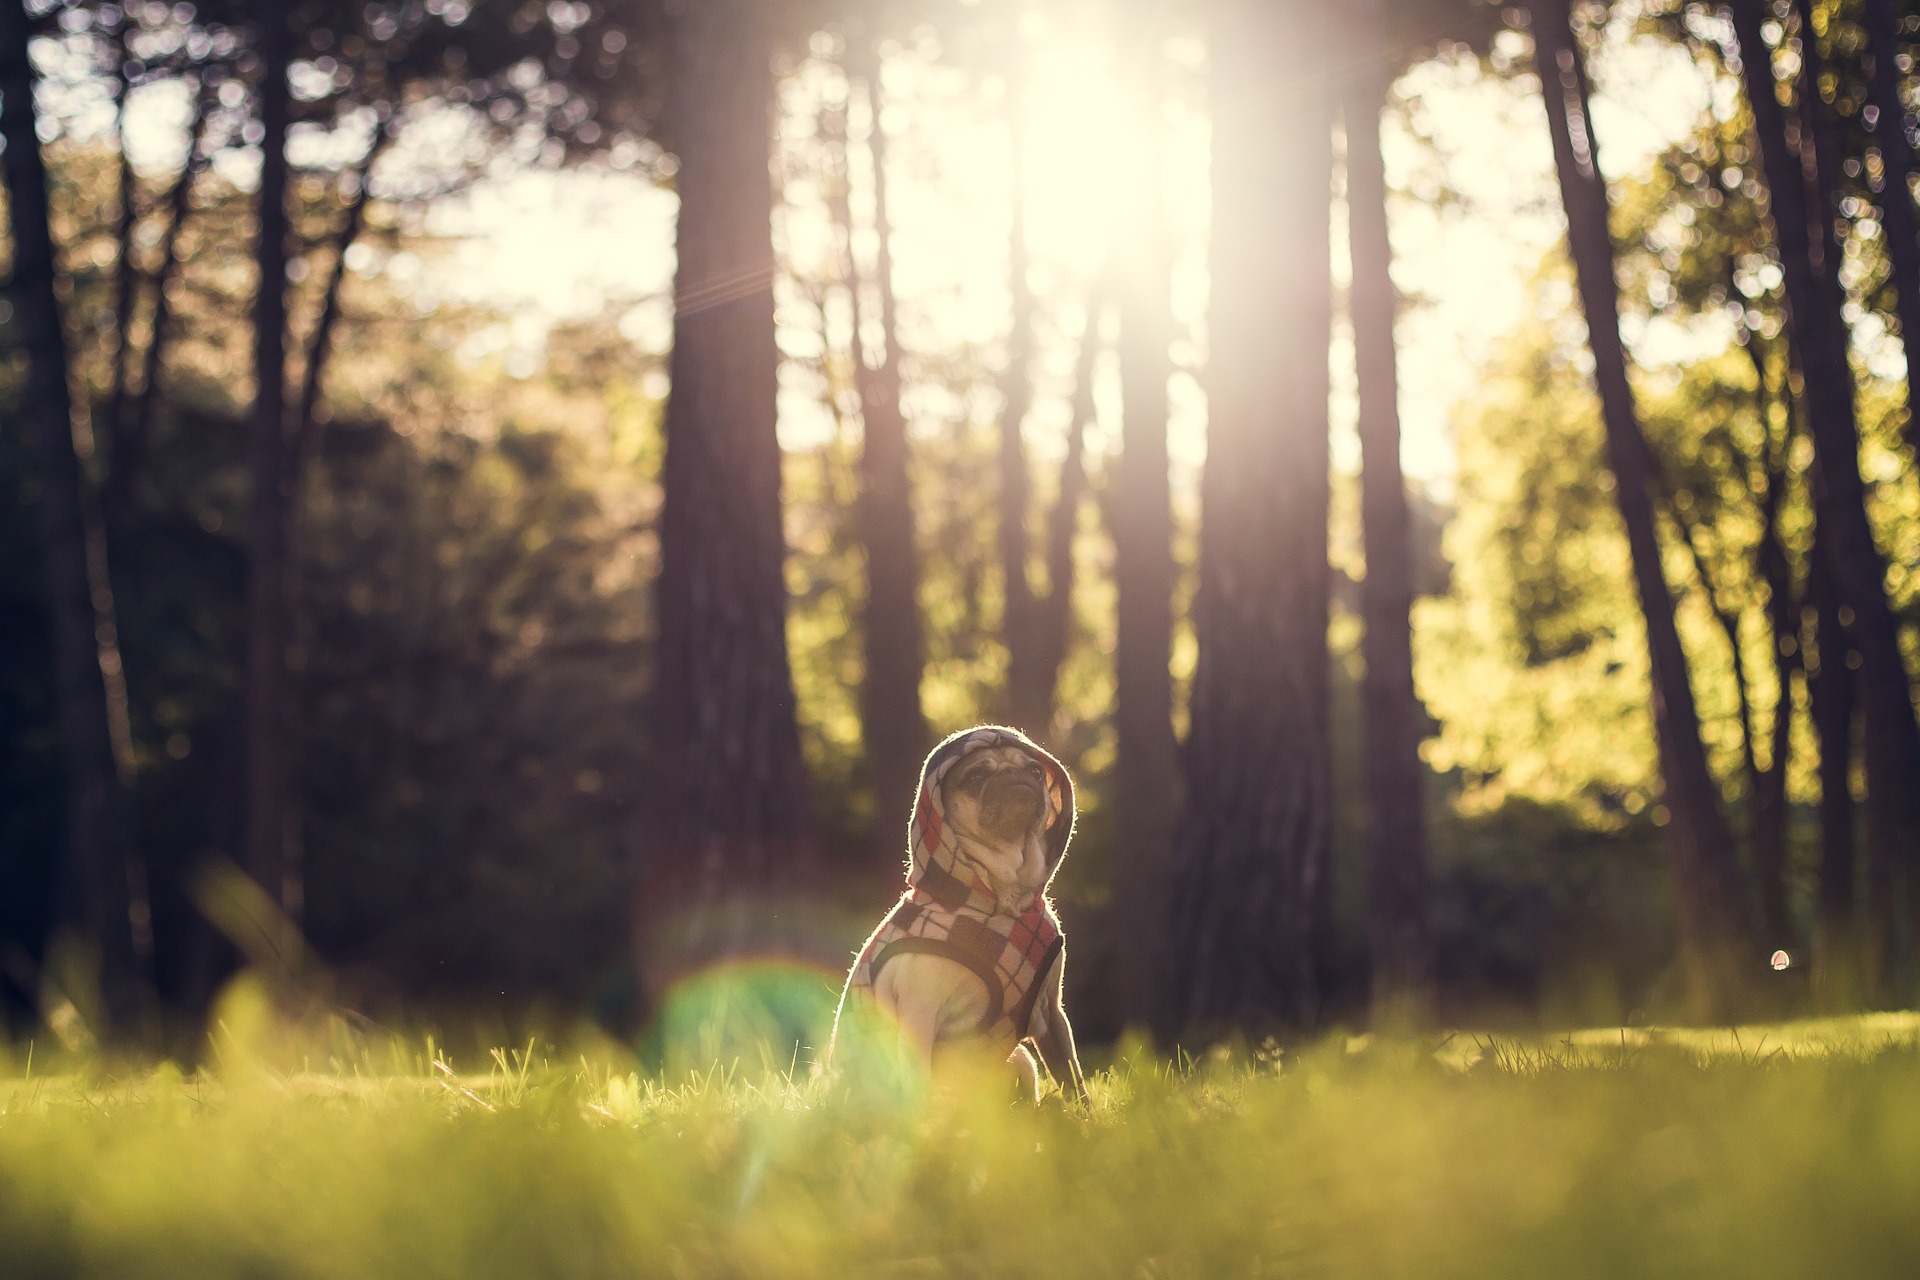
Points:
[(951, 138), (544, 246)]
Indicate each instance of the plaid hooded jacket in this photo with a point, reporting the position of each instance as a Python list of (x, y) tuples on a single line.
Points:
[(948, 910)]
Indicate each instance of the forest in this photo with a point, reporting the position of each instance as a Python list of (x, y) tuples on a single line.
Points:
[(1441, 474)]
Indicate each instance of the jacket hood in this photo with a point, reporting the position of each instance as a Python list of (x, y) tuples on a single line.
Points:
[(932, 851)]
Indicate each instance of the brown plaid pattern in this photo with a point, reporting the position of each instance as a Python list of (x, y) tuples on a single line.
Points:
[(933, 854), (1010, 955), (948, 911)]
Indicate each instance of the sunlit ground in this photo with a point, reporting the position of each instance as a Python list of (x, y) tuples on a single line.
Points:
[(321, 1150), (1791, 1150)]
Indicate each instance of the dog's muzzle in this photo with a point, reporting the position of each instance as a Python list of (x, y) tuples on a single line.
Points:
[(1011, 802)]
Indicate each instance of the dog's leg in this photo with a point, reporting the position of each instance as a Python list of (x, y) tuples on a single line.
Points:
[(1053, 1036), (931, 999), (919, 1029), (1028, 1075)]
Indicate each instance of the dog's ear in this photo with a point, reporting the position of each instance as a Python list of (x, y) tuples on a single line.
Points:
[(923, 828), (1061, 812), (927, 824)]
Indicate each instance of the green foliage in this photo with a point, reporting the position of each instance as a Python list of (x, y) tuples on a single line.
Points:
[(827, 589), (475, 674), (474, 637), (472, 631), (1758, 1152), (1535, 663)]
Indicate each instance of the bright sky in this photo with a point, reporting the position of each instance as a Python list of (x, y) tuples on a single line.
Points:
[(554, 246), (542, 247)]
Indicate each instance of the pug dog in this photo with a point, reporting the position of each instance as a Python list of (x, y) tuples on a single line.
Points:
[(970, 958)]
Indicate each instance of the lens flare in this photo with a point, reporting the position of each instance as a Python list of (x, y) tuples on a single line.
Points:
[(756, 1014)]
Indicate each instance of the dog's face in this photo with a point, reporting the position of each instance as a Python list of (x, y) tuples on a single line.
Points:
[(996, 801)]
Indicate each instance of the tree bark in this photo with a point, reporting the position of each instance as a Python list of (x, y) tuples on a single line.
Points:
[(137, 430), (100, 835), (1769, 798), (1398, 931), (1893, 836), (895, 725), (125, 272), (1715, 925), (303, 439), (1146, 778), (1882, 22), (1821, 152), (1252, 847), (132, 428), (1053, 611), (1837, 970), (732, 798), (1810, 260), (320, 344), (100, 528), (1769, 854), (1025, 702), (1769, 847), (267, 567)]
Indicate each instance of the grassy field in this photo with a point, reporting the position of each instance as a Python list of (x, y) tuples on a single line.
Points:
[(1791, 1150)]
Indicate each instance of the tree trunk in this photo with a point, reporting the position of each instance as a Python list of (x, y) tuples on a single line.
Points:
[(1146, 780), (127, 433), (1893, 836), (732, 797), (126, 284), (1810, 260), (1837, 972), (1398, 931), (1769, 799), (1053, 612), (1715, 926), (267, 569), (1771, 811), (100, 834), (1253, 843), (132, 428), (302, 440), (894, 724), (1769, 852), (125, 272), (1882, 22), (320, 344), (1025, 702)]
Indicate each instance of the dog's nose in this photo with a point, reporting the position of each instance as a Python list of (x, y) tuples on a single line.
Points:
[(1012, 800), (1020, 778)]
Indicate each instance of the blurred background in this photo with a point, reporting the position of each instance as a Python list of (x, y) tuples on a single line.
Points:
[(1440, 474)]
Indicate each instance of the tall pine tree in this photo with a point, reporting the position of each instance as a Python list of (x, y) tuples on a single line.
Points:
[(1249, 887), (730, 807), (1716, 928)]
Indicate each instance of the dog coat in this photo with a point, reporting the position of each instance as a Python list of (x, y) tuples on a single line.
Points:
[(947, 909)]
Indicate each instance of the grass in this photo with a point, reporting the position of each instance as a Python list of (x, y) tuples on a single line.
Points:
[(1790, 1150)]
